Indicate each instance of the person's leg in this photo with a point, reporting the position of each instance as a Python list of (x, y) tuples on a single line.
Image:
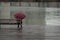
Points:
[(21, 23), (17, 23)]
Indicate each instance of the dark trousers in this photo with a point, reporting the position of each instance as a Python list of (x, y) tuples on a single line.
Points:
[(19, 22)]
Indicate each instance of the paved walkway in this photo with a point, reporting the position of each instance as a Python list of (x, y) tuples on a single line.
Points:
[(48, 32)]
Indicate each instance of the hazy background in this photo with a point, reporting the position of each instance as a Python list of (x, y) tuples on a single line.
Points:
[(36, 13)]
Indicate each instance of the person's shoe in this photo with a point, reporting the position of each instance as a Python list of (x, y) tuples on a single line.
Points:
[(19, 28)]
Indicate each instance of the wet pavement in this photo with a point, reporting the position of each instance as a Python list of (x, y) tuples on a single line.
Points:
[(33, 32), (52, 32)]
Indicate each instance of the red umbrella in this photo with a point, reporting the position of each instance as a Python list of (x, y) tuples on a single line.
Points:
[(19, 15)]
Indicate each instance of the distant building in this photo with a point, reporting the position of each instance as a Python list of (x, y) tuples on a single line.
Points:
[(30, 0)]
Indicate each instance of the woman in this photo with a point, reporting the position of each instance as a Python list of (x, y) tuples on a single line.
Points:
[(19, 16)]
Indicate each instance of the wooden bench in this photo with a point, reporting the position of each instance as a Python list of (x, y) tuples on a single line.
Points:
[(8, 22)]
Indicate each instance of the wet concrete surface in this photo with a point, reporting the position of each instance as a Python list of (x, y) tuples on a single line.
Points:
[(52, 32), (47, 32), (27, 33)]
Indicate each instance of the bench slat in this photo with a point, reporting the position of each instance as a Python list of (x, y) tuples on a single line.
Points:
[(8, 23)]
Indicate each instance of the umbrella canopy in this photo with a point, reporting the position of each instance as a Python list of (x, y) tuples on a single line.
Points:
[(19, 15)]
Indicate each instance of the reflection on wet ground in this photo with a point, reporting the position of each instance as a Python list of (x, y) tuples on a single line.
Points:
[(47, 32), (52, 32), (27, 33)]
